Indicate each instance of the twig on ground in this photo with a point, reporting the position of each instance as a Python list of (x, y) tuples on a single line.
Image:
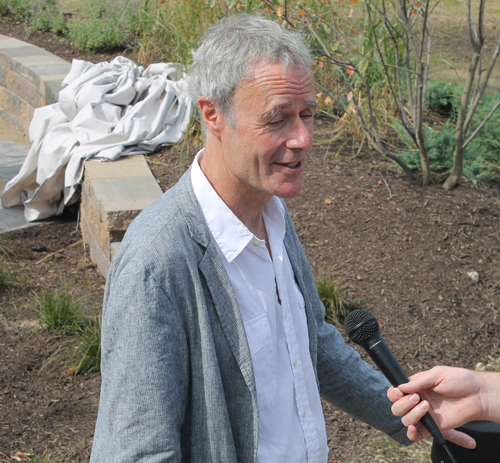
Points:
[(77, 224), (383, 179), (60, 250)]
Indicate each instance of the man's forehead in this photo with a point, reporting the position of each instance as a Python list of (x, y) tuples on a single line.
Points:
[(275, 80), (274, 70)]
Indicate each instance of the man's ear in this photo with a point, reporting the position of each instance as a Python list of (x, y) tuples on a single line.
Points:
[(212, 115)]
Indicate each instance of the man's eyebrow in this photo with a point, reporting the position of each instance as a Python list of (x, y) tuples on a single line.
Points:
[(277, 109)]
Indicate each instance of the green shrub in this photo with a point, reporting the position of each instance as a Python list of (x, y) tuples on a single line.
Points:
[(335, 299), (481, 156), (46, 16), (60, 312), (4, 8), (168, 31), (14, 9), (443, 97), (87, 354), (100, 25)]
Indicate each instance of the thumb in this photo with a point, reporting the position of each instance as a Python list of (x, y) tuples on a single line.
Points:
[(459, 438)]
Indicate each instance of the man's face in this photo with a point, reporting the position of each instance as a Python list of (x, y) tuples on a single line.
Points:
[(264, 154)]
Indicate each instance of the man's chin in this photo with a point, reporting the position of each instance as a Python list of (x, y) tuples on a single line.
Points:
[(289, 192)]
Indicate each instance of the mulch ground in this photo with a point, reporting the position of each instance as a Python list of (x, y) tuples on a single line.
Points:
[(403, 252)]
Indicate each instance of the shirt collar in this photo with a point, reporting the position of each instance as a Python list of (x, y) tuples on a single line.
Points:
[(230, 234)]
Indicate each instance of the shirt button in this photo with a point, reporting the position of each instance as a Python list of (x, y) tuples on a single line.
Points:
[(285, 314), (257, 245), (295, 363), (314, 460), (304, 413)]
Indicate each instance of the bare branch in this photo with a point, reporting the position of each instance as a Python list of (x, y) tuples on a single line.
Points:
[(334, 23), (478, 95), (399, 102), (480, 126), (386, 184)]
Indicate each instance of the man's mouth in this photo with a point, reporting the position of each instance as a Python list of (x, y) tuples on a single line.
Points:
[(292, 165)]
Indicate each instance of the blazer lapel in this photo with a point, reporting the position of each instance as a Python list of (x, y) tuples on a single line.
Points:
[(228, 312), (218, 282), (294, 251)]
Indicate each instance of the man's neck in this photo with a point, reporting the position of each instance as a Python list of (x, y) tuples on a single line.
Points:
[(249, 210)]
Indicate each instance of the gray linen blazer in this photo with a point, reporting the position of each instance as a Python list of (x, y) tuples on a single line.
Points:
[(177, 377)]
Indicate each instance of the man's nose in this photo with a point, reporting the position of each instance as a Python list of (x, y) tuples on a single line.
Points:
[(301, 136)]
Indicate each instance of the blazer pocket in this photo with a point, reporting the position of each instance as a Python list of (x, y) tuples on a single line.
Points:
[(261, 346)]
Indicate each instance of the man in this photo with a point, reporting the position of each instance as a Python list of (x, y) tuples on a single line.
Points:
[(213, 338), (456, 396)]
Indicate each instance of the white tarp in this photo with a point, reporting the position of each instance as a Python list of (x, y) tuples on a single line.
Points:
[(105, 111)]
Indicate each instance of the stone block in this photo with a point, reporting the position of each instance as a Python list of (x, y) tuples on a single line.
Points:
[(102, 243), (23, 89), (14, 122), (16, 106), (120, 190), (97, 255), (113, 194), (94, 226), (126, 166)]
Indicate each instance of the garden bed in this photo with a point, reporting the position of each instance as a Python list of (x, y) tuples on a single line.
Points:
[(402, 251)]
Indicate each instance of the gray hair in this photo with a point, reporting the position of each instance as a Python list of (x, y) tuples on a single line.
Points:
[(231, 49)]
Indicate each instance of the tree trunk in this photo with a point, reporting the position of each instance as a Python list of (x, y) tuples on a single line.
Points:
[(458, 165), (424, 160), (458, 156)]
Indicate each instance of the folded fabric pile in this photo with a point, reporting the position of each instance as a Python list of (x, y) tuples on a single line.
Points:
[(105, 111)]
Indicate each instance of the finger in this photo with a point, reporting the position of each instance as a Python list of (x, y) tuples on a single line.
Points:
[(416, 434), (394, 394), (422, 380), (459, 438), (414, 416), (404, 405)]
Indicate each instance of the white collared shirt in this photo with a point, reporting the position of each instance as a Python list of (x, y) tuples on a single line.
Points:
[(291, 422)]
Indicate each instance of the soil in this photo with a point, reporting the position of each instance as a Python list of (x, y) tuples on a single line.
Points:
[(402, 251)]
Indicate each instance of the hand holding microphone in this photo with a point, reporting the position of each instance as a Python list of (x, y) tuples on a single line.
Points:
[(362, 328)]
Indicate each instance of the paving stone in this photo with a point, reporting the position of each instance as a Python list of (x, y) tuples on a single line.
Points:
[(13, 219), (11, 157), (9, 172), (29, 77)]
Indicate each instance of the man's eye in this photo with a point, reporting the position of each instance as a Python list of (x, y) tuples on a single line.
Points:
[(307, 115), (276, 121)]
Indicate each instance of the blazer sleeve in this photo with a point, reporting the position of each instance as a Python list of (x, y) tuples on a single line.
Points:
[(353, 385), (145, 372), (344, 379)]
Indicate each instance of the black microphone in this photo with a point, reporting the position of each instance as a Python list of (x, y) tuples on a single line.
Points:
[(362, 328)]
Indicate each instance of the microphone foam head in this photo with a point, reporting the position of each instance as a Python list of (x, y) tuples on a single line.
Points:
[(360, 325)]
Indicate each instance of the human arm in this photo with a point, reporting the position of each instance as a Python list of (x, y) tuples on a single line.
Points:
[(354, 386), (144, 372), (455, 396)]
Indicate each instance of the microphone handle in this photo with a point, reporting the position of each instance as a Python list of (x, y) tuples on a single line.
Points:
[(382, 356)]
